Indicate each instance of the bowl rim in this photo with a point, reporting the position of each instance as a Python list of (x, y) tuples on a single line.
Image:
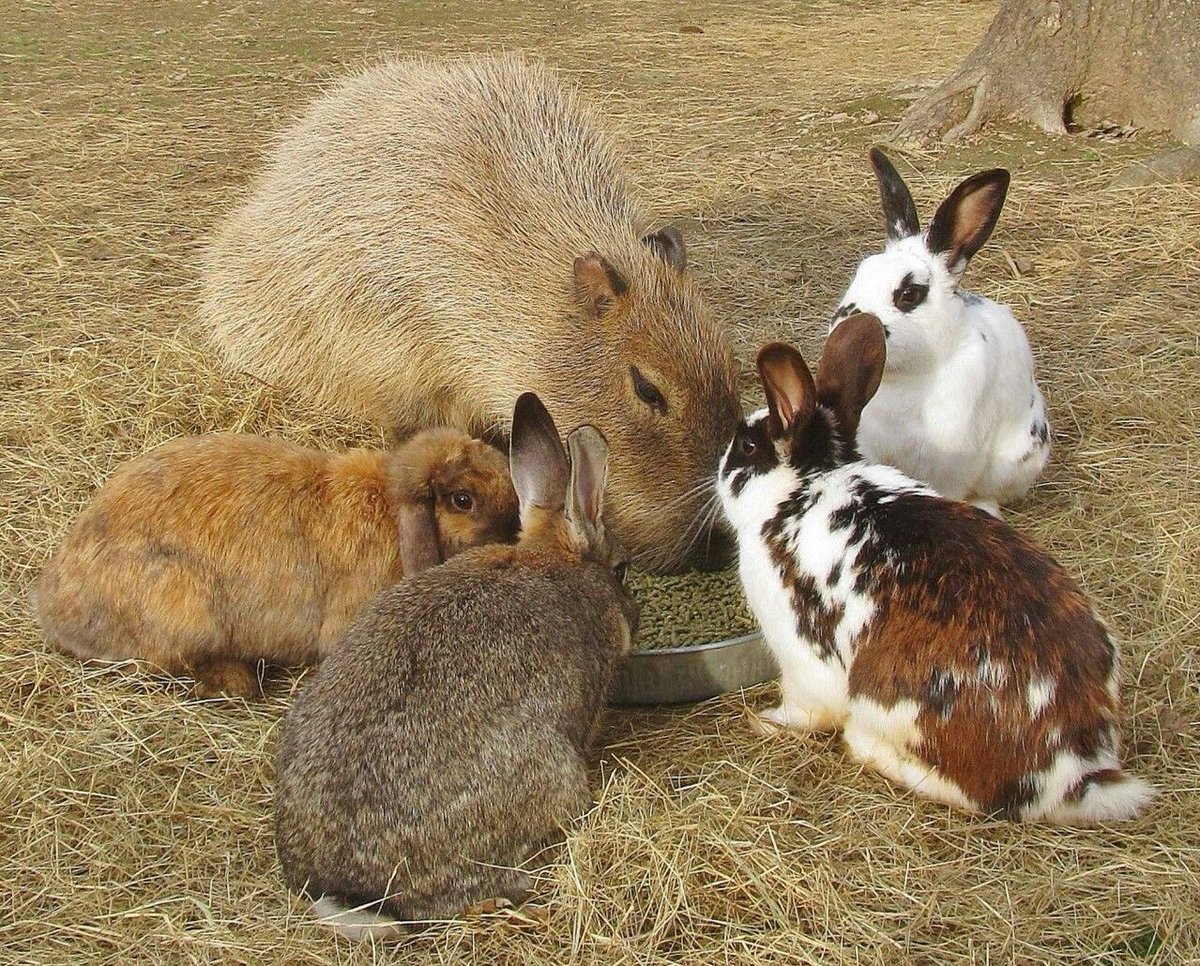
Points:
[(696, 648)]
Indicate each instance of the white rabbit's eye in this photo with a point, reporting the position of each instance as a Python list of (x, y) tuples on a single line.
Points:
[(909, 295), (747, 446), (462, 500), (646, 391)]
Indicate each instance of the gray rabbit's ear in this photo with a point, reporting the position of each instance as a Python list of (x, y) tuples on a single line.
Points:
[(899, 212), (419, 544), (589, 470), (537, 461)]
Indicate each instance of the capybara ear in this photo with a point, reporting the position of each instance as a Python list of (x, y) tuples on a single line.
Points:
[(851, 369), (597, 284), (667, 244), (899, 212), (589, 469), (420, 547), (537, 460), (791, 396), (965, 220)]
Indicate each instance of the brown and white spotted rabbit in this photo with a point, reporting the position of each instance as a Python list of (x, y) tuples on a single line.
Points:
[(211, 553), (956, 657), (443, 743)]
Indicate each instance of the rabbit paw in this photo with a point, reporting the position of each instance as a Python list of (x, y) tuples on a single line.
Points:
[(231, 679), (488, 906), (988, 506), (783, 718)]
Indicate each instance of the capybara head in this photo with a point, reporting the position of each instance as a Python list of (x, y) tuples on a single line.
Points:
[(658, 379), (464, 482)]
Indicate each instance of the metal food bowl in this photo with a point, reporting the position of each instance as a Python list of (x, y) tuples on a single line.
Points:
[(677, 675)]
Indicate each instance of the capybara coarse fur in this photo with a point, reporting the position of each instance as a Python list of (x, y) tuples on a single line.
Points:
[(209, 554), (433, 238), (444, 741)]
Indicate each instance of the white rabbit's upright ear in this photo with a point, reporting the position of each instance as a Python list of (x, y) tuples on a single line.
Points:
[(537, 461), (965, 220), (667, 244), (851, 369), (899, 212), (589, 470), (791, 395)]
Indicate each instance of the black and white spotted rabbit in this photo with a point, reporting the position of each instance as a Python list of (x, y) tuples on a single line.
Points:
[(955, 656), (959, 407)]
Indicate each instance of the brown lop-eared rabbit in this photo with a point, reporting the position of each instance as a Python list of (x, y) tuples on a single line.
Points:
[(210, 554), (432, 238), (443, 742), (955, 656)]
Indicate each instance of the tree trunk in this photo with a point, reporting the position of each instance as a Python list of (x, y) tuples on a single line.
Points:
[(1049, 61)]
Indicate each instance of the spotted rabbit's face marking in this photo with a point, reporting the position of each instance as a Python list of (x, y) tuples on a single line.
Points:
[(752, 452)]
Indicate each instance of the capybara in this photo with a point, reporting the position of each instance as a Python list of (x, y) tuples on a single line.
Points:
[(433, 238)]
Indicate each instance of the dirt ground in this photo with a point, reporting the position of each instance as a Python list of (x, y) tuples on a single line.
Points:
[(135, 820)]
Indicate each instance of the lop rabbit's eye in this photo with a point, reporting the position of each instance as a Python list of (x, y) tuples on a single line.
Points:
[(646, 391), (747, 446), (619, 571), (462, 501), (909, 295)]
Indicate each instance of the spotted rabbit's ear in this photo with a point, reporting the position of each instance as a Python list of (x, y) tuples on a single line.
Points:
[(788, 385), (899, 212), (965, 220), (851, 369)]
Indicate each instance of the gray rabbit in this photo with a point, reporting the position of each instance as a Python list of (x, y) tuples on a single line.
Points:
[(443, 742)]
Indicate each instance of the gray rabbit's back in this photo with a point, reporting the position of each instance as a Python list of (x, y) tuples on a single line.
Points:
[(444, 740)]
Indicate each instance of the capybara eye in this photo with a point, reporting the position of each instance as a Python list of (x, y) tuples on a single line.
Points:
[(747, 446), (462, 500), (647, 391)]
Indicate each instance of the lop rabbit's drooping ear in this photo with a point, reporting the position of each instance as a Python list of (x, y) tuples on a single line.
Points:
[(417, 526)]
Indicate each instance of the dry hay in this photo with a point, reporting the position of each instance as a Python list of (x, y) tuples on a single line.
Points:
[(135, 822)]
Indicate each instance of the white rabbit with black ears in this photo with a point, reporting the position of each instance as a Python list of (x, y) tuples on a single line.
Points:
[(958, 407)]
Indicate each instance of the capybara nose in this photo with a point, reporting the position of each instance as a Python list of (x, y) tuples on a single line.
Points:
[(715, 550)]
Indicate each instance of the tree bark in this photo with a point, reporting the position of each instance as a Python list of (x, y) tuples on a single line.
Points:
[(1084, 61)]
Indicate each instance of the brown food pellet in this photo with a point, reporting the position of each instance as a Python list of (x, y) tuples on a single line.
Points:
[(684, 610)]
